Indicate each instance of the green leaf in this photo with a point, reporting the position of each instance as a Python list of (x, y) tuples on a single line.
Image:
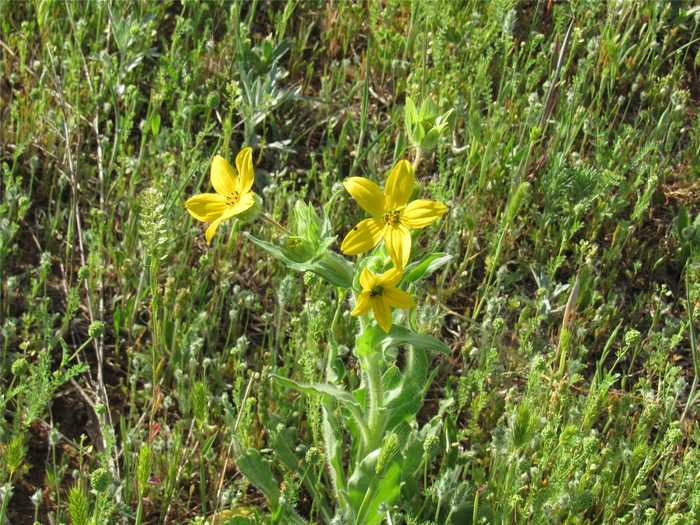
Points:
[(281, 444), (430, 140), (334, 269), (418, 134), (155, 124), (275, 251), (403, 402), (403, 336), (428, 110), (333, 441), (410, 115), (259, 473), (366, 342), (405, 393), (367, 490), (208, 443), (425, 267), (516, 201), (303, 257), (290, 517), (238, 520), (326, 390)]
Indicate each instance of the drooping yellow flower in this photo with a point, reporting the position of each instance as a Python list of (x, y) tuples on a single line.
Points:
[(233, 192), (379, 292), (392, 215)]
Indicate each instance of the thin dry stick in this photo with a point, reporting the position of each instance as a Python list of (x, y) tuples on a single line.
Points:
[(567, 321), (693, 349), (230, 445), (179, 471), (72, 171), (99, 343)]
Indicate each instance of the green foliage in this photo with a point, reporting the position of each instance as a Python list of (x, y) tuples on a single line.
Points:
[(305, 247), (424, 126), (78, 506), (563, 280)]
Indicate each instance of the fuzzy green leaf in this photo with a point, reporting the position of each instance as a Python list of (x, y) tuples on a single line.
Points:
[(259, 473), (403, 336), (425, 267), (322, 389), (367, 490)]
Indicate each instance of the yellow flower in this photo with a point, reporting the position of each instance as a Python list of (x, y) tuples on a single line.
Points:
[(233, 195), (392, 218), (379, 292)]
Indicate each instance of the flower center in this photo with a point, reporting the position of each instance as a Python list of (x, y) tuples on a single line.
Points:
[(233, 198), (392, 217), (376, 291)]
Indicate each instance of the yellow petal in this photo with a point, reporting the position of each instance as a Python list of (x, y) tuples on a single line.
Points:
[(363, 237), (243, 204), (211, 229), (421, 212), (399, 184), (398, 298), (398, 244), (206, 207), (362, 305), (367, 279), (382, 313), (367, 194), (223, 178), (246, 174), (390, 277)]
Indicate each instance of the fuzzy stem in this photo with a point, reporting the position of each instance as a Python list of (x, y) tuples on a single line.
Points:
[(417, 158), (375, 391)]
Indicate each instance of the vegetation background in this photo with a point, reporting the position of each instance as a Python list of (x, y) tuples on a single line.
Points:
[(134, 358)]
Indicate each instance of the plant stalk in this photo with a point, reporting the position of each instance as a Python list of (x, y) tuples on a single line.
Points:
[(375, 391)]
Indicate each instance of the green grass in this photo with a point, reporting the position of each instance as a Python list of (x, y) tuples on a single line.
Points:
[(135, 361)]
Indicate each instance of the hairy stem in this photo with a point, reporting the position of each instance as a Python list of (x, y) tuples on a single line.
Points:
[(375, 391)]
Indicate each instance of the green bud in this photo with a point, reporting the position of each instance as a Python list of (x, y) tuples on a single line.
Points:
[(312, 455), (430, 444), (96, 329), (100, 479), (390, 446), (298, 249), (632, 337), (424, 127), (83, 273), (306, 222), (306, 249), (20, 366)]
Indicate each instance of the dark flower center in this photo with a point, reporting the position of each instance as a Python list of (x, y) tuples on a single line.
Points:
[(376, 291), (233, 198), (392, 217)]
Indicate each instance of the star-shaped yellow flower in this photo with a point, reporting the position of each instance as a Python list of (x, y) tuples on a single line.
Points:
[(392, 215), (233, 195), (379, 292)]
